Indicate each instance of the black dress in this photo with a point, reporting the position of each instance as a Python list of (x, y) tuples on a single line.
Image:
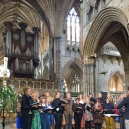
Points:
[(77, 115)]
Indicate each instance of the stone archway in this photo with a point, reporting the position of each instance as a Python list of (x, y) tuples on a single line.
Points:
[(73, 69), (100, 25), (116, 83), (109, 25)]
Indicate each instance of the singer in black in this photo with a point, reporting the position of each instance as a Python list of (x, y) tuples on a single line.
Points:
[(26, 110), (59, 109), (78, 112)]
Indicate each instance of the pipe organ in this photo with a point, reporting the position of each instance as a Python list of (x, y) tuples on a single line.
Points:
[(22, 49)]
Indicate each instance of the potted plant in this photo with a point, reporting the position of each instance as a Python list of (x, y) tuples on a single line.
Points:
[(8, 100)]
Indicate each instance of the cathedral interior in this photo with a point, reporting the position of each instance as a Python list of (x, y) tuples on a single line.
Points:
[(75, 46), (68, 45)]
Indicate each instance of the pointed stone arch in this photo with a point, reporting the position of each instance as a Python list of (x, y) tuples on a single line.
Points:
[(70, 62), (116, 81), (100, 24)]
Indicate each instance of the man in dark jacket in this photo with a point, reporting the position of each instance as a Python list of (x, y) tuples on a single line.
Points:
[(125, 103), (26, 109), (59, 109)]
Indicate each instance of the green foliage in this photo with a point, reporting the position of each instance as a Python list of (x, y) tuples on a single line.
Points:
[(8, 98)]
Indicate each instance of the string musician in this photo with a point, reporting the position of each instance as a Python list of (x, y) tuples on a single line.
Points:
[(98, 114), (58, 105)]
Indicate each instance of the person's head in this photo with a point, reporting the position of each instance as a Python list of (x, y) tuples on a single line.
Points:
[(108, 95), (80, 96), (122, 96), (90, 95), (46, 94), (68, 95), (37, 94), (18, 104), (107, 100), (42, 100), (77, 100), (87, 100), (58, 95), (49, 100), (97, 101), (99, 95), (26, 90), (34, 96)]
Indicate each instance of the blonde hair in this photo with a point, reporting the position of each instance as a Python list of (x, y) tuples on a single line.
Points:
[(33, 95), (49, 98), (25, 89), (87, 99)]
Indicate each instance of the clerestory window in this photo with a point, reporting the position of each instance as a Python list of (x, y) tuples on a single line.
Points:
[(73, 28)]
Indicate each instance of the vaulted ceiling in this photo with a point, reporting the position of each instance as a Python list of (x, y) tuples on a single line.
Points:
[(36, 13)]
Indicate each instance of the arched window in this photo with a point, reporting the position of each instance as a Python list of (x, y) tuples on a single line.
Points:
[(115, 83), (73, 28), (76, 83)]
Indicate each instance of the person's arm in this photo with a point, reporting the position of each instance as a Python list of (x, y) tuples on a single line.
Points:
[(123, 103), (73, 107), (24, 103)]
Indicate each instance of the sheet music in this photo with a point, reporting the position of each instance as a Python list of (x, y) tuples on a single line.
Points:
[(111, 115)]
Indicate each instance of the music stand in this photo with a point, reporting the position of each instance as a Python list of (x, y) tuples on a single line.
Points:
[(112, 115)]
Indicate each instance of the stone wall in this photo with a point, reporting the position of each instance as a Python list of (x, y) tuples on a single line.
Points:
[(35, 84)]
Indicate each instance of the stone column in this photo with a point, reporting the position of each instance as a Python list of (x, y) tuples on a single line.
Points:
[(126, 81), (58, 60), (57, 57), (89, 79), (126, 69)]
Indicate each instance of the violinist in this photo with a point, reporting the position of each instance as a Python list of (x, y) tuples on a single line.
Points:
[(98, 114)]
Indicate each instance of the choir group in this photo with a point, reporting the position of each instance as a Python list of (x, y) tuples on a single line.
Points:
[(46, 112)]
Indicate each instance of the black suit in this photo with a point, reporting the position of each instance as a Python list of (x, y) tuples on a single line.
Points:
[(125, 103), (58, 113), (25, 110)]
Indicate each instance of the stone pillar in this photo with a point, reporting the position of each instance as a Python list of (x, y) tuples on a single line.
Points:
[(58, 60), (51, 58), (126, 69), (89, 79), (126, 81), (57, 57)]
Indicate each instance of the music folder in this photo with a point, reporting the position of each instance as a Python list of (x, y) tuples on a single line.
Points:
[(36, 103), (111, 115), (78, 109), (48, 109)]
